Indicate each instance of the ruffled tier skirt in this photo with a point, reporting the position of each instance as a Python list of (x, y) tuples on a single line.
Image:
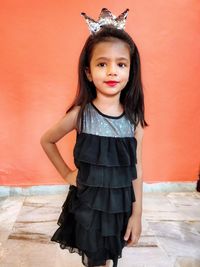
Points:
[(90, 227), (95, 214)]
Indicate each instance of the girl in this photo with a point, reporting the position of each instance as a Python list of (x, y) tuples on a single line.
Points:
[(103, 209)]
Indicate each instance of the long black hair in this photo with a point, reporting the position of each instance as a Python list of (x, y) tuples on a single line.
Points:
[(132, 97)]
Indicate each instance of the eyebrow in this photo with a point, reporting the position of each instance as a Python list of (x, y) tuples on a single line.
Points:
[(105, 58)]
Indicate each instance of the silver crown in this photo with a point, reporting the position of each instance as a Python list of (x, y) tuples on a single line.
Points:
[(106, 18)]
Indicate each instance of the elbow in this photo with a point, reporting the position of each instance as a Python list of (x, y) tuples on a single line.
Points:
[(43, 140)]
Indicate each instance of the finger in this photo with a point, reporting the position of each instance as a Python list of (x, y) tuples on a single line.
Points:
[(133, 240), (130, 241), (127, 234)]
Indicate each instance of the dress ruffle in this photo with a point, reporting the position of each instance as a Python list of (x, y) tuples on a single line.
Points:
[(110, 200), (90, 219), (95, 235), (95, 213), (104, 150), (101, 176)]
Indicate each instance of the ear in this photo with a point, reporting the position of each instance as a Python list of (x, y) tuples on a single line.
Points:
[(88, 74)]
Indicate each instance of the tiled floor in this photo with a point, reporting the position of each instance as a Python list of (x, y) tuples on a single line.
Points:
[(170, 236)]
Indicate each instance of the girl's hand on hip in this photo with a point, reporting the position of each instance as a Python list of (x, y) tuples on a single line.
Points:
[(133, 230), (71, 177)]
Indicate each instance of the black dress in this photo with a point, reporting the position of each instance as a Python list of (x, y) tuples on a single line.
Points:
[(95, 214)]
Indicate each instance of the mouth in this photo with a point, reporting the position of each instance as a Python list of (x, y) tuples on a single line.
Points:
[(111, 83)]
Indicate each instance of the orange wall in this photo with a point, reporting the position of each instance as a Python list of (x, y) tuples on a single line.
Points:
[(39, 48)]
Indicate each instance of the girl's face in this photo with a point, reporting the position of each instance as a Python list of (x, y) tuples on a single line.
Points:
[(109, 67)]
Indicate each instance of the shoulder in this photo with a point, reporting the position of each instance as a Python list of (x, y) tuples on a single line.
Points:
[(73, 112), (70, 118), (63, 126), (72, 115)]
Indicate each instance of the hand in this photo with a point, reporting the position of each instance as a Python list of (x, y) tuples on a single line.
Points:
[(71, 177), (133, 230)]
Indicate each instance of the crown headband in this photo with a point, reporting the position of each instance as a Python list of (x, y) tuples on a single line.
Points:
[(106, 18)]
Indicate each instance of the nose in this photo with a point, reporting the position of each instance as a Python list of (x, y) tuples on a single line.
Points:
[(112, 70)]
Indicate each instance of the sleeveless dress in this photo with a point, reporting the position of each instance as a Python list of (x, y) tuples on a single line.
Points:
[(95, 213)]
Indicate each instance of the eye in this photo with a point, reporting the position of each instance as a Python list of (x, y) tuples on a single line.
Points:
[(101, 64), (122, 65)]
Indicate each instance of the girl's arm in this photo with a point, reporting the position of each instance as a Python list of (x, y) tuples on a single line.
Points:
[(138, 183), (54, 134), (134, 227)]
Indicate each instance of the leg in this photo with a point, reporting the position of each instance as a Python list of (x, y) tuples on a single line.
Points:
[(107, 264)]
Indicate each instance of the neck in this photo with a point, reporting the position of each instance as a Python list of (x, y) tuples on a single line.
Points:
[(109, 104)]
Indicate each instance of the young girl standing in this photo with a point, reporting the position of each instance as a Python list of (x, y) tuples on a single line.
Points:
[(103, 209)]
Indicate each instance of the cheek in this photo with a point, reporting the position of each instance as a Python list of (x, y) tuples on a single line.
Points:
[(126, 75), (97, 74)]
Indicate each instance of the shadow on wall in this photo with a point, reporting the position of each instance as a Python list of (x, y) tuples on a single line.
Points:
[(198, 184)]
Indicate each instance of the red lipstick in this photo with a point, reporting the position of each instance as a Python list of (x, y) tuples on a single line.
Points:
[(111, 83)]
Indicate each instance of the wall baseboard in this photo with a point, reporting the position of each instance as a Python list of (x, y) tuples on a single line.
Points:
[(170, 187), (59, 189)]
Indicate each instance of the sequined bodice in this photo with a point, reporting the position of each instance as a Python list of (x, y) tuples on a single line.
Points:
[(97, 123)]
